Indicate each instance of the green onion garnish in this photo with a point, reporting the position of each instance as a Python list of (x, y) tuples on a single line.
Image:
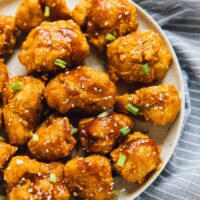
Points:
[(131, 108), (35, 137), (104, 114), (47, 111), (125, 130), (145, 68), (110, 37), (103, 61), (52, 178), (47, 11), (60, 63), (16, 86), (121, 161), (74, 130), (2, 139)]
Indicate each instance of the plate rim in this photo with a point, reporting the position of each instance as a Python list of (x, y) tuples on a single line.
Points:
[(154, 176)]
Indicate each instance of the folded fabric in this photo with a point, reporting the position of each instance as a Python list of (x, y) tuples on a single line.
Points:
[(180, 21)]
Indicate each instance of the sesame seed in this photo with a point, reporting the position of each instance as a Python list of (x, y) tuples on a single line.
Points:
[(19, 162), (155, 108), (47, 150)]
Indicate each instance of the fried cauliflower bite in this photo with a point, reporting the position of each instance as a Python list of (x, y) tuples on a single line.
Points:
[(157, 104), (1, 116), (82, 90), (53, 139), (23, 104), (99, 135), (6, 152), (7, 34), (3, 75), (31, 13), (102, 17), (51, 41), (29, 179), (129, 56), (142, 156), (89, 178), (3, 81)]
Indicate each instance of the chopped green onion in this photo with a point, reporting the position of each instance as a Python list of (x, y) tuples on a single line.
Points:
[(60, 63), (47, 11), (74, 130), (47, 111), (16, 86), (125, 130), (104, 114), (145, 68), (103, 61), (2, 139), (110, 37), (115, 195), (121, 161), (35, 137), (131, 108), (52, 178)]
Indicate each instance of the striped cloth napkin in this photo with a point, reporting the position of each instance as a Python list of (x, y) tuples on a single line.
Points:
[(180, 20)]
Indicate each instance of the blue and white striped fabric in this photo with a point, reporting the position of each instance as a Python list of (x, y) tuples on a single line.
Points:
[(180, 20)]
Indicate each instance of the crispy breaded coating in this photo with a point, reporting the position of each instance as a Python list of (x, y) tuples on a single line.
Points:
[(1, 117), (82, 90), (29, 179), (3, 75), (7, 34), (102, 17), (89, 178), (99, 135), (23, 104), (6, 151), (53, 139), (52, 41), (157, 104), (142, 157), (31, 13), (127, 57), (3, 81)]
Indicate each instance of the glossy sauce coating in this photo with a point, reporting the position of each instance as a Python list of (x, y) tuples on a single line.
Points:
[(100, 17), (90, 177), (7, 34), (3, 81), (50, 41), (83, 90), (100, 135), (22, 108), (126, 55), (142, 157), (30, 13), (3, 75), (29, 179), (6, 152), (54, 139), (158, 104)]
